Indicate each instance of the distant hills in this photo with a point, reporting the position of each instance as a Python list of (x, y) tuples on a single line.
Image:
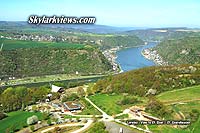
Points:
[(90, 28), (160, 34)]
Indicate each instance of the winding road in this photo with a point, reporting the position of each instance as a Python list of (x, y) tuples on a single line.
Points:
[(85, 126)]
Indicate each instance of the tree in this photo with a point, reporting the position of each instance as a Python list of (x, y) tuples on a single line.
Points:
[(32, 120), (70, 97), (45, 116), (89, 91), (2, 115), (21, 93), (156, 107), (32, 128), (49, 122), (80, 92)]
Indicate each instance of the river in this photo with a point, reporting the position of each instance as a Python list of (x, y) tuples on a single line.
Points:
[(131, 58)]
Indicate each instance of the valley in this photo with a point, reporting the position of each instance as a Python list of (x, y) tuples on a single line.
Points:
[(77, 81)]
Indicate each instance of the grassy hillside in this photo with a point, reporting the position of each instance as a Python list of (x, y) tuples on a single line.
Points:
[(161, 79), (50, 58), (180, 51), (181, 95)]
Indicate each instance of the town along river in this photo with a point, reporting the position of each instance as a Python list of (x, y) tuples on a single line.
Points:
[(131, 58)]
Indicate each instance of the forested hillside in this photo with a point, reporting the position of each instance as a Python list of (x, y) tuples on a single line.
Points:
[(180, 51), (160, 79), (25, 62), (110, 41)]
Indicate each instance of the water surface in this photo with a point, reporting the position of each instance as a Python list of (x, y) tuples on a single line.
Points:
[(131, 58)]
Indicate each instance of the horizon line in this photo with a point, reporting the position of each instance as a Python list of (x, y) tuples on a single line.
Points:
[(116, 26)]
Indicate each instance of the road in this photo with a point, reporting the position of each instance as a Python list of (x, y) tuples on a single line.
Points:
[(86, 125), (84, 128), (113, 127)]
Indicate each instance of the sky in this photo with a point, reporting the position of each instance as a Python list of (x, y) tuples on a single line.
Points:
[(122, 13)]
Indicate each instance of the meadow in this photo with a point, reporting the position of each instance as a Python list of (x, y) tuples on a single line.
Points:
[(16, 120), (180, 95), (108, 103)]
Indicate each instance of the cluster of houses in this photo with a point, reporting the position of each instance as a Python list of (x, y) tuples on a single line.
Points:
[(153, 55), (70, 106), (30, 37), (50, 38), (110, 54)]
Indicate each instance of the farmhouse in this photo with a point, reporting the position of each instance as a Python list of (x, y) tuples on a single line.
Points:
[(72, 106)]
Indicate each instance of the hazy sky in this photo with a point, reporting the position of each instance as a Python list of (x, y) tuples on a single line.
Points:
[(136, 13)]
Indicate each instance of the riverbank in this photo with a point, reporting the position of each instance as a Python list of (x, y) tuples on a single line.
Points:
[(154, 56), (39, 81), (111, 55)]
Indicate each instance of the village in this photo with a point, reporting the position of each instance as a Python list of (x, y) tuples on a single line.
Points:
[(153, 55)]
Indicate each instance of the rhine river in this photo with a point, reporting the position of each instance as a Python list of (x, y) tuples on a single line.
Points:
[(131, 58)]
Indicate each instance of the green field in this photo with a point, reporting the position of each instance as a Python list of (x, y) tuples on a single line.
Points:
[(166, 129), (180, 95), (189, 106), (108, 103), (15, 44), (16, 120), (185, 101), (88, 109)]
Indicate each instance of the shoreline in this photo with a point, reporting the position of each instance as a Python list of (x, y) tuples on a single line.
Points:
[(111, 56), (153, 56)]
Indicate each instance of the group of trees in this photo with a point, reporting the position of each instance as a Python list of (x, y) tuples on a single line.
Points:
[(27, 62), (18, 98), (159, 78), (180, 51), (128, 100), (74, 96), (157, 108)]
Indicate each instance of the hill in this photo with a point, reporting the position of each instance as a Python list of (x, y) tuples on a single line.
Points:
[(160, 34), (92, 28), (36, 59), (102, 36), (188, 94), (180, 51), (158, 78)]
